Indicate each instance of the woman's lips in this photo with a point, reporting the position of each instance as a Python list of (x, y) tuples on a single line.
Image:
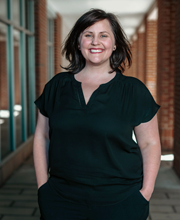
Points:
[(96, 50)]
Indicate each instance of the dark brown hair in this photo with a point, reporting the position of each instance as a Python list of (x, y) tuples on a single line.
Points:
[(118, 58)]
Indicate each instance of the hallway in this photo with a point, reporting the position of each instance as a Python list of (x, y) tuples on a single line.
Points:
[(18, 196), (31, 35)]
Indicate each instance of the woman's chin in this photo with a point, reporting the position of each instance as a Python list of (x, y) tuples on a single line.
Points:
[(96, 62)]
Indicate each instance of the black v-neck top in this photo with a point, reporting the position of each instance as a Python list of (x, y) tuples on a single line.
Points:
[(92, 155)]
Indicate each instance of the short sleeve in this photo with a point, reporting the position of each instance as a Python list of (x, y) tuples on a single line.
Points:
[(145, 106), (49, 99), (43, 101)]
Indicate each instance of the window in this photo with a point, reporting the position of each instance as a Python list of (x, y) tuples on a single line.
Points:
[(50, 45), (3, 8), (4, 100), (16, 12), (17, 110), (17, 89)]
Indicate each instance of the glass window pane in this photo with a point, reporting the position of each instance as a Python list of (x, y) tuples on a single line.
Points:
[(17, 88), (4, 99), (22, 16), (3, 8), (50, 30), (27, 85), (29, 89), (49, 62), (16, 11), (28, 14)]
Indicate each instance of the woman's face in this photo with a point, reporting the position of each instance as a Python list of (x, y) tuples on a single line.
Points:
[(97, 43)]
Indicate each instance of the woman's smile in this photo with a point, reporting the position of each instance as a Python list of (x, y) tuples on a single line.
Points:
[(97, 43), (96, 50)]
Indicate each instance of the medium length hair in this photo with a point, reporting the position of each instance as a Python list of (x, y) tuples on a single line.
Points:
[(119, 57)]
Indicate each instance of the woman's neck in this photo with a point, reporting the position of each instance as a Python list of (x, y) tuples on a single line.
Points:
[(96, 70), (95, 74)]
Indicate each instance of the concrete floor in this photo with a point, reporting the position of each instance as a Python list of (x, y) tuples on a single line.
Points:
[(167, 177), (18, 196), (165, 200)]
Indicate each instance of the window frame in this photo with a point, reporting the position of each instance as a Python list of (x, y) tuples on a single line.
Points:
[(22, 59)]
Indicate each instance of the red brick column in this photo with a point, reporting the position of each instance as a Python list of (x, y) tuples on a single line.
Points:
[(151, 56), (165, 70), (141, 47), (40, 44), (134, 58), (176, 163), (57, 44), (128, 71)]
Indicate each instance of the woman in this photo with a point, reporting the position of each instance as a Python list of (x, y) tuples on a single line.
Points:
[(83, 137)]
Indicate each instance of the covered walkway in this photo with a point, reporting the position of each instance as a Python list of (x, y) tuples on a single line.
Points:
[(18, 196), (36, 33)]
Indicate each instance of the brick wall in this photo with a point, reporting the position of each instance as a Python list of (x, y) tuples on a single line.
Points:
[(141, 56), (128, 71), (151, 56), (176, 163), (165, 70), (40, 44), (133, 69), (57, 44), (165, 51), (4, 96)]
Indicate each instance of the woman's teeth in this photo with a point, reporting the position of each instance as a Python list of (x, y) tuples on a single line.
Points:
[(96, 51)]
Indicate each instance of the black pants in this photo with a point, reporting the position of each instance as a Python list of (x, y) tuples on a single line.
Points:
[(54, 207)]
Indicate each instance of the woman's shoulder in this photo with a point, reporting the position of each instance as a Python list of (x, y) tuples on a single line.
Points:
[(58, 78), (133, 81)]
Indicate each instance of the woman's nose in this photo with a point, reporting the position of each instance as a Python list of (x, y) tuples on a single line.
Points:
[(95, 40)]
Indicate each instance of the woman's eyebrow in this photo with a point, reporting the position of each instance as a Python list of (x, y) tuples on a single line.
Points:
[(99, 32), (104, 32)]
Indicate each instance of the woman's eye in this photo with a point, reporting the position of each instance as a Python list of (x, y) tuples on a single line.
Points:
[(88, 35), (103, 35)]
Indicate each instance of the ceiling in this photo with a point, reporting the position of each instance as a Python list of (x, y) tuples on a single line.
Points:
[(129, 12)]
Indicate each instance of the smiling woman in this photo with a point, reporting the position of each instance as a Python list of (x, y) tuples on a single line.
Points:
[(96, 46), (97, 27), (84, 130)]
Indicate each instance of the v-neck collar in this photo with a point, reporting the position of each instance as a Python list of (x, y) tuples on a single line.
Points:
[(80, 90)]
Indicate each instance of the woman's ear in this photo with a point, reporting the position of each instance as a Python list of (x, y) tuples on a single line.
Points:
[(114, 47)]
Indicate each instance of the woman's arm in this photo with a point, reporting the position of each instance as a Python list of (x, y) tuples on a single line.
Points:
[(147, 135), (40, 149)]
